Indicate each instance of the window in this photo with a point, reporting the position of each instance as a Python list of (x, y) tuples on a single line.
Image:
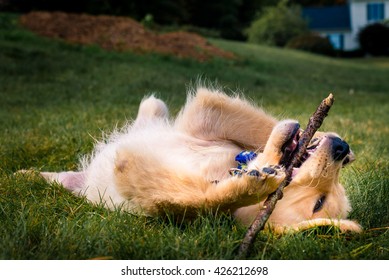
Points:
[(336, 41), (375, 12)]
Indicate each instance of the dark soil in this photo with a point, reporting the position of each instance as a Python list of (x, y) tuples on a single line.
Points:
[(119, 34)]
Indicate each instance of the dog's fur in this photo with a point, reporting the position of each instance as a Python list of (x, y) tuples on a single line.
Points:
[(158, 165)]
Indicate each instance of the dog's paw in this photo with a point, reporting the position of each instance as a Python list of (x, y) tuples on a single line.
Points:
[(265, 179), (35, 174), (268, 172), (272, 170)]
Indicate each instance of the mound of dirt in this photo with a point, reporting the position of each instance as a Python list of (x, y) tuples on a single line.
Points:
[(119, 34)]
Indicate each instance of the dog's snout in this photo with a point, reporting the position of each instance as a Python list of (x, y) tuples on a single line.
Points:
[(340, 148)]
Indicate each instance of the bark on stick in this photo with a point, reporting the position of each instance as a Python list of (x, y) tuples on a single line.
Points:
[(315, 121)]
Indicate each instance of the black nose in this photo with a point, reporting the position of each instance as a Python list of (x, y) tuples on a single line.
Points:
[(340, 148)]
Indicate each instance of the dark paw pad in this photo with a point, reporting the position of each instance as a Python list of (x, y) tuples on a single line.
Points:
[(269, 170), (254, 173), (236, 172)]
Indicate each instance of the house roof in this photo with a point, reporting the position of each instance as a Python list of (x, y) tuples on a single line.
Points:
[(328, 18)]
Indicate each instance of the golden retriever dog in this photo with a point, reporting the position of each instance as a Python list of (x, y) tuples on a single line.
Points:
[(158, 165)]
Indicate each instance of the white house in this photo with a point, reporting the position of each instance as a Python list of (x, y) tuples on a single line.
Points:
[(341, 24)]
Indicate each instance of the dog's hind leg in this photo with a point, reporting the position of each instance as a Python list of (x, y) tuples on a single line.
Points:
[(72, 181), (212, 115), (151, 109)]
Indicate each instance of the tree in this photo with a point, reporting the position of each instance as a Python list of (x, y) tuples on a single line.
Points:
[(312, 43), (277, 25), (374, 39)]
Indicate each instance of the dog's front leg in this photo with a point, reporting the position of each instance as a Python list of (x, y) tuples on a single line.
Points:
[(227, 195)]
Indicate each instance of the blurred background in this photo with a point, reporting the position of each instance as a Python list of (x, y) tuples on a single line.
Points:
[(352, 28)]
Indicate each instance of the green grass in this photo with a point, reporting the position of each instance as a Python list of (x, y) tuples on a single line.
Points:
[(57, 98)]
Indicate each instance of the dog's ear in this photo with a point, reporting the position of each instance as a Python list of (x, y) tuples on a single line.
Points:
[(342, 224)]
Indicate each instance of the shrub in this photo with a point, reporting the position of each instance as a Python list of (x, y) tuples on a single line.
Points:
[(277, 25), (148, 21), (312, 43), (374, 39)]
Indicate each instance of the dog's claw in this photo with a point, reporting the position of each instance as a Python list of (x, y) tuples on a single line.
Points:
[(276, 167)]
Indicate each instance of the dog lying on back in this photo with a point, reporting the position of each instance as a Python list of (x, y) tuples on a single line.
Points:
[(157, 165)]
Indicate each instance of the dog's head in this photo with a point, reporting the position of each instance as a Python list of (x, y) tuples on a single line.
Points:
[(314, 197)]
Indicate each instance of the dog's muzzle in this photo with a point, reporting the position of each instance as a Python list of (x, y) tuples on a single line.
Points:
[(339, 149)]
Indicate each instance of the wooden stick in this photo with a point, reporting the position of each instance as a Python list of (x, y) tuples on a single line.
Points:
[(315, 121)]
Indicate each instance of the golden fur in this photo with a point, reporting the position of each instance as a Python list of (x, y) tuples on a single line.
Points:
[(181, 166)]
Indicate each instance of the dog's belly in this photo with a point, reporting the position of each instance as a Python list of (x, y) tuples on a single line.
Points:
[(161, 146), (212, 160)]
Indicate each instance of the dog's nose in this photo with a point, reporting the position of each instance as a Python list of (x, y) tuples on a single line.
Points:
[(340, 148)]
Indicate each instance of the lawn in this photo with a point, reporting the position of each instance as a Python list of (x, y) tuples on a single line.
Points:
[(57, 98)]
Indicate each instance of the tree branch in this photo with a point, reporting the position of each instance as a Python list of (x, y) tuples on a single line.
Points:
[(315, 121)]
